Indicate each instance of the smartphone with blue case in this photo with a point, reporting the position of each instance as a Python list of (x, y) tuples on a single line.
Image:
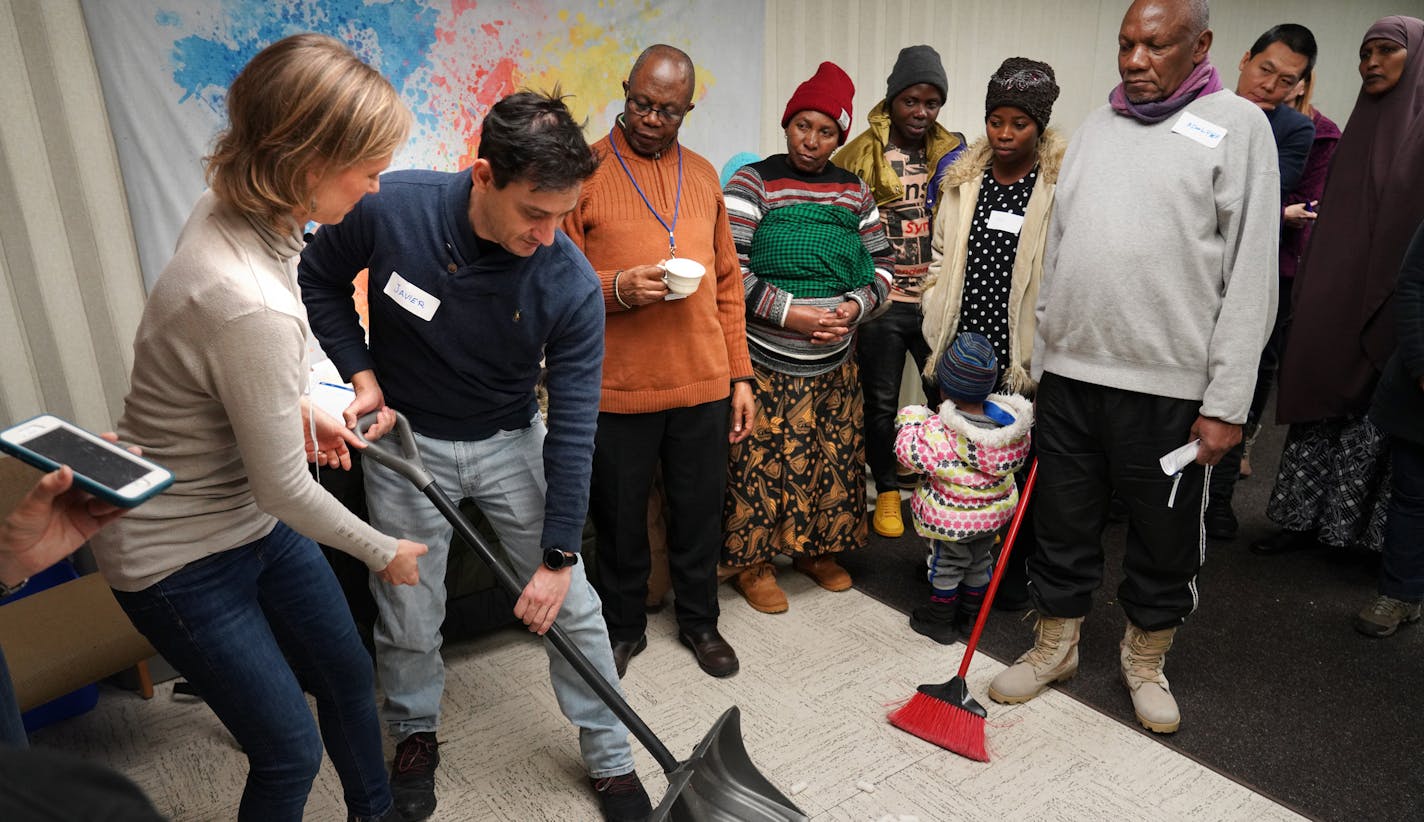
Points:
[(101, 468)]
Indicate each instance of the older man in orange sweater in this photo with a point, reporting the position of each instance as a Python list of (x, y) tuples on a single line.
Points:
[(675, 370)]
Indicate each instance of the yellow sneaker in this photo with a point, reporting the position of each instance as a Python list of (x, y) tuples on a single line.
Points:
[(887, 515)]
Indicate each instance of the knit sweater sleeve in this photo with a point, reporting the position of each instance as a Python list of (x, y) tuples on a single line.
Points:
[(573, 356), (261, 394), (745, 197), (731, 297), (1292, 151), (1249, 210), (329, 264), (574, 226), (882, 254)]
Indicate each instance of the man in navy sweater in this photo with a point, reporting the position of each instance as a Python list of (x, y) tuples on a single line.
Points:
[(1278, 60), (471, 285)]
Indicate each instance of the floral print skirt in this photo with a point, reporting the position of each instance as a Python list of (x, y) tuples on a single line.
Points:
[(796, 486)]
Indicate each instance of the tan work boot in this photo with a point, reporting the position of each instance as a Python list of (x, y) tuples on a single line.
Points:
[(1053, 658), (825, 570), (1144, 655), (758, 584), (887, 520)]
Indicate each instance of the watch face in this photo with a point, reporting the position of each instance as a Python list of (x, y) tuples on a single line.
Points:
[(555, 559)]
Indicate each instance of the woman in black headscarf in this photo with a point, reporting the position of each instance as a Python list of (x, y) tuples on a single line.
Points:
[(1332, 487)]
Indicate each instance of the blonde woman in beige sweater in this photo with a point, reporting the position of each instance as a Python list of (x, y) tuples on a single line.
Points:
[(222, 573)]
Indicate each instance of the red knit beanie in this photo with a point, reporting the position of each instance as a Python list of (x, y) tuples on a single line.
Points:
[(830, 92)]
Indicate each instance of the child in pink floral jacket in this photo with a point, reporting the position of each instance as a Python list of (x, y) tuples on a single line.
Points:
[(968, 454)]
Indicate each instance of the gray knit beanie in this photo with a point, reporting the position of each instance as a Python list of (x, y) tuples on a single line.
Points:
[(1025, 84), (916, 64)]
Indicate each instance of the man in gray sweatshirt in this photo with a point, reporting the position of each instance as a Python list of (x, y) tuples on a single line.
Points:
[(1159, 290)]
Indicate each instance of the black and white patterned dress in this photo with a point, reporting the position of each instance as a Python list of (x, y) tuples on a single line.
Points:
[(989, 266)]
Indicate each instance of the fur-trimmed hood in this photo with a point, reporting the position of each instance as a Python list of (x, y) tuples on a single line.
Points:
[(978, 156), (1018, 406)]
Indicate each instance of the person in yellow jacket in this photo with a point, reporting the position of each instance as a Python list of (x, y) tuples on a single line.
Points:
[(903, 157)]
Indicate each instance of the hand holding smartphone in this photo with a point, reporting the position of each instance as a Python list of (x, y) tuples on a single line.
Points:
[(101, 468)]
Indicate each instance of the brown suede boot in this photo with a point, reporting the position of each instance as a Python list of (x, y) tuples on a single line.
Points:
[(758, 584), (825, 570)]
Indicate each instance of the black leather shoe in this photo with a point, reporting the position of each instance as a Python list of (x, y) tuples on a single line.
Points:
[(624, 651), (714, 655), (1220, 521), (1284, 542), (413, 776)]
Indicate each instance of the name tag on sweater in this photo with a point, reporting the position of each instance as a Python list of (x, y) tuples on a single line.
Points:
[(1195, 128), (412, 298), (1004, 221)]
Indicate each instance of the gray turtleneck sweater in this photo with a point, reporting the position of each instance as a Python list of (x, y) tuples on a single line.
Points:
[(219, 372)]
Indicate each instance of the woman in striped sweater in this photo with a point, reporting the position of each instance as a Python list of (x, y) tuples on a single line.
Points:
[(815, 262)]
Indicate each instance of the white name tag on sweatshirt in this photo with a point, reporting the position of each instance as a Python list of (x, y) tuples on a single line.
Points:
[(411, 297), (1004, 221), (1195, 128)]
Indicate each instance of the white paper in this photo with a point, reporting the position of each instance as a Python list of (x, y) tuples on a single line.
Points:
[(1195, 128), (1004, 221), (1174, 461), (411, 297), (331, 397)]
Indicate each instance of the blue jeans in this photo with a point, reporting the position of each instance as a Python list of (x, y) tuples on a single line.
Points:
[(1402, 565), (504, 476), (12, 728), (251, 628)]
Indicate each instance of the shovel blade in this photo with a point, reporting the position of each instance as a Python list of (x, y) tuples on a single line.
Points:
[(719, 783)]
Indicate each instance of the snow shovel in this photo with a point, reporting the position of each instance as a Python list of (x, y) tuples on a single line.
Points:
[(718, 782)]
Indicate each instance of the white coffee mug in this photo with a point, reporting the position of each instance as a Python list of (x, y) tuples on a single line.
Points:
[(682, 275)]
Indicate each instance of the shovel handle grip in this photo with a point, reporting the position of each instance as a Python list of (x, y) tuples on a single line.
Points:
[(401, 457)]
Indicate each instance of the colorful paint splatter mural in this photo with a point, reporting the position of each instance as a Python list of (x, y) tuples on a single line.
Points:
[(168, 63)]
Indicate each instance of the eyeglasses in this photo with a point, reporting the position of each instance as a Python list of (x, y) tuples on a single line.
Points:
[(667, 115)]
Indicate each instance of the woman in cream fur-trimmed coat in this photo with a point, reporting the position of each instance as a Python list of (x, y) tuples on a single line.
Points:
[(945, 282)]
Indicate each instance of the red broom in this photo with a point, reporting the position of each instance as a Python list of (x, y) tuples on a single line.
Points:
[(945, 714)]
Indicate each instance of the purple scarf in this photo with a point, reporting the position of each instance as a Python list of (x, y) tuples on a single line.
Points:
[(1202, 80)]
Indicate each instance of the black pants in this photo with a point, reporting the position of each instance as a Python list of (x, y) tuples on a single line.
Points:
[(1015, 579), (691, 444), (880, 350), (1094, 441)]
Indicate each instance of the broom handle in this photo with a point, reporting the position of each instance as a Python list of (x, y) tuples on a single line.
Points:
[(999, 568)]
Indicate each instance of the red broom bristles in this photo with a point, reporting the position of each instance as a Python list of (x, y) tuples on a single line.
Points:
[(940, 723), (945, 714)]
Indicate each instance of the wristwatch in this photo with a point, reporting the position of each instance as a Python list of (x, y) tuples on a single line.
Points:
[(7, 590), (555, 559)]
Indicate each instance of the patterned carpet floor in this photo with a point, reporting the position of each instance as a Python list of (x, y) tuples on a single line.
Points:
[(1276, 689)]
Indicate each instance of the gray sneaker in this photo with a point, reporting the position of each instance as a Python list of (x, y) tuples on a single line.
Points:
[(1384, 615)]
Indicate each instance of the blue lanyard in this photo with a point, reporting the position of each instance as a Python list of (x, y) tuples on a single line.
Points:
[(677, 203)]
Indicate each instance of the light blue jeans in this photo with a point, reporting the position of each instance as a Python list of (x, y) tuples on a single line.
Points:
[(504, 476)]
